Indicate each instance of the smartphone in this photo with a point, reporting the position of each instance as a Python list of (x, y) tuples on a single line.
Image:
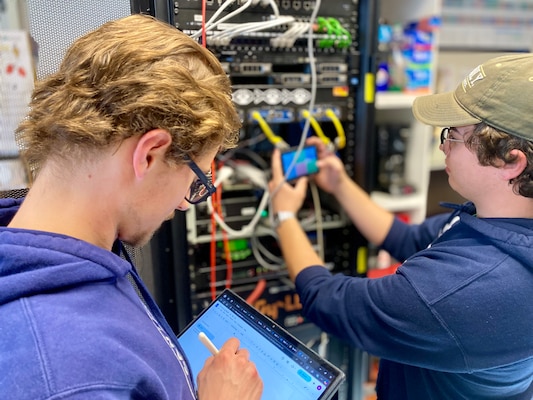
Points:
[(305, 163)]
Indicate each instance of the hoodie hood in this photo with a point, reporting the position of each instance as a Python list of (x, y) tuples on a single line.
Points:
[(504, 232), (8, 208), (34, 262)]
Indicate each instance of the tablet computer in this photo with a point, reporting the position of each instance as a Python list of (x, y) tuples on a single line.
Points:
[(289, 369)]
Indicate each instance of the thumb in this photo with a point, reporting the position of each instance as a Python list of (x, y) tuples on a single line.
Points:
[(301, 186)]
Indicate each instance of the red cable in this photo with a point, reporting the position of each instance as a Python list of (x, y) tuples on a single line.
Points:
[(204, 15), (213, 247), (257, 292)]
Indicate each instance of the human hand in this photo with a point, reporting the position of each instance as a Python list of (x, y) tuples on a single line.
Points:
[(229, 375), (283, 195), (331, 168)]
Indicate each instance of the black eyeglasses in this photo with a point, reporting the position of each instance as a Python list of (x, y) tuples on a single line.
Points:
[(444, 137), (202, 187)]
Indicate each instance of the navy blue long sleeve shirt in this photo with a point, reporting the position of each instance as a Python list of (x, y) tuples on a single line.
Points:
[(454, 322)]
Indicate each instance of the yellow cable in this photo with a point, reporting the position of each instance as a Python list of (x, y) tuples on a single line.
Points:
[(340, 141), (316, 126), (273, 138)]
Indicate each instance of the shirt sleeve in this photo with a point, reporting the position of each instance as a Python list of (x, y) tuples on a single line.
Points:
[(404, 240), (384, 317)]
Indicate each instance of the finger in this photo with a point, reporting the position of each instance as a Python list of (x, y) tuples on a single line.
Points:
[(277, 173), (231, 345), (243, 353), (323, 150), (326, 163), (301, 186), (322, 163), (313, 140), (316, 141)]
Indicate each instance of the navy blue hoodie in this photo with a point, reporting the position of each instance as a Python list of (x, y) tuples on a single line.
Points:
[(73, 327), (455, 321)]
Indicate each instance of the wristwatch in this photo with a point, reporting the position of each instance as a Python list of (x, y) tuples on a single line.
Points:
[(281, 216)]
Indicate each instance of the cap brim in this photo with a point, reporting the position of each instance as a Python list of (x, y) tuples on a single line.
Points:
[(442, 110)]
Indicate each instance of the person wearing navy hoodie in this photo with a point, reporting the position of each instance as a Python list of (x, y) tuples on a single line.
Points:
[(455, 320), (121, 136)]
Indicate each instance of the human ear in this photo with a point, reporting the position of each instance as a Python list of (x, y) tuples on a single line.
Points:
[(510, 170), (151, 146)]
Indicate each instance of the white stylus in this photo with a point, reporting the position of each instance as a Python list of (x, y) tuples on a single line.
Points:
[(208, 343)]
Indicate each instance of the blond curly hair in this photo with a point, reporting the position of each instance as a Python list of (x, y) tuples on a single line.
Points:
[(123, 79)]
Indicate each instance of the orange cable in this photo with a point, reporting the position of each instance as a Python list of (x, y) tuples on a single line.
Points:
[(213, 248), (257, 292), (217, 206), (227, 251), (204, 16)]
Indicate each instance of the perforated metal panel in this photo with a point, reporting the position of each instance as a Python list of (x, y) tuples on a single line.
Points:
[(55, 24)]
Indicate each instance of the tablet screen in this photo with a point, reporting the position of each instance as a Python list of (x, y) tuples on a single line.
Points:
[(289, 369)]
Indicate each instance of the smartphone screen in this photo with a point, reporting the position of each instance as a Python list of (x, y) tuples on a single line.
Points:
[(304, 165)]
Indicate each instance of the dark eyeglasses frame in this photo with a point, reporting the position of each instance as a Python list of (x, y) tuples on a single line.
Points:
[(202, 187), (444, 137)]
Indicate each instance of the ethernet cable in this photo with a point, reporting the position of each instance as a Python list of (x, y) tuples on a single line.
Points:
[(231, 157), (261, 260), (344, 38), (240, 28), (336, 34), (340, 140), (272, 4), (211, 24), (224, 37), (264, 250), (257, 292), (318, 212), (247, 229), (323, 346), (259, 250), (289, 37), (255, 175), (271, 136), (316, 127)]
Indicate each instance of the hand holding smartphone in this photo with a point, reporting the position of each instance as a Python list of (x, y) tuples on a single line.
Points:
[(304, 165)]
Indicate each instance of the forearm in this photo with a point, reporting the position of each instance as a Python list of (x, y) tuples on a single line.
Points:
[(296, 248), (372, 221)]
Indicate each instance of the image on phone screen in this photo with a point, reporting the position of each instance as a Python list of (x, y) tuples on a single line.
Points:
[(305, 163)]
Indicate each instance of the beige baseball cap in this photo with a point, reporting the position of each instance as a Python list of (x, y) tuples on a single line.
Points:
[(498, 93)]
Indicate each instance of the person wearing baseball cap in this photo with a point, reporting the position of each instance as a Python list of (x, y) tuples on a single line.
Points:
[(455, 320)]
